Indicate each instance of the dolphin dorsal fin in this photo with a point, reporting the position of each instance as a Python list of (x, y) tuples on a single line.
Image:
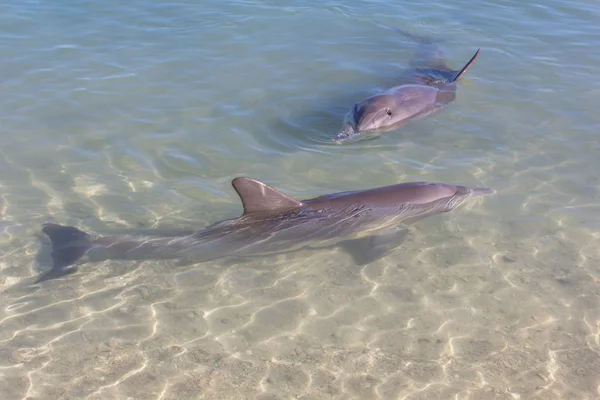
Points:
[(262, 198), (468, 66)]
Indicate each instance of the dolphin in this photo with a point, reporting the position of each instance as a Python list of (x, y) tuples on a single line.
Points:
[(367, 223), (424, 89)]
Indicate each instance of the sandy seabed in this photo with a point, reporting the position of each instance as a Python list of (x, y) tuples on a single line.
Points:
[(443, 316)]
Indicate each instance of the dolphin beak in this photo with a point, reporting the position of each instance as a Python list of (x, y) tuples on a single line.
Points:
[(345, 134), (478, 192)]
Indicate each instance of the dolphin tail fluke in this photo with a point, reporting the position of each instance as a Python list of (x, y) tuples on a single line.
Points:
[(468, 66), (429, 53), (69, 244), (417, 38)]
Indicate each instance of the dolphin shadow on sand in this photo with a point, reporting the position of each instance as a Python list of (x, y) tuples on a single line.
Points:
[(366, 223)]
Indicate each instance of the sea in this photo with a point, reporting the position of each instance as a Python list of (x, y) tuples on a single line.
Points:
[(133, 115)]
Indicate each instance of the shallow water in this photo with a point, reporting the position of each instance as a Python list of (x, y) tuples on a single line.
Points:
[(131, 115)]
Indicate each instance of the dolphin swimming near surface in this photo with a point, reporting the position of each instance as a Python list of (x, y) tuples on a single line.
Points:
[(367, 223), (424, 89)]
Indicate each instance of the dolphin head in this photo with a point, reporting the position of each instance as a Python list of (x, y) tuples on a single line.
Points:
[(371, 114), (376, 113), (389, 110)]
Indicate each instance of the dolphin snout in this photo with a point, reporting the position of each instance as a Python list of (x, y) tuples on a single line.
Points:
[(345, 134), (477, 192)]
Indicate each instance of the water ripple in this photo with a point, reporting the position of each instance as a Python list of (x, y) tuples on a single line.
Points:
[(134, 115)]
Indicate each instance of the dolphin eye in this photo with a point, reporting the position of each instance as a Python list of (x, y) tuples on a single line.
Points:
[(388, 111)]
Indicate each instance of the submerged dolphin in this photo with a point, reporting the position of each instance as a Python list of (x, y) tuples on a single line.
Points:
[(426, 88), (367, 223)]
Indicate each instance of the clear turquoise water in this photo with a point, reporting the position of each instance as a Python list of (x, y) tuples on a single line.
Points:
[(138, 114)]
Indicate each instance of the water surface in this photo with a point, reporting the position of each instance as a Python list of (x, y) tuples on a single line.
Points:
[(132, 115)]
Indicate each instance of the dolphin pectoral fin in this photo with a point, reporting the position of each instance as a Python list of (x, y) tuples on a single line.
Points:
[(372, 248)]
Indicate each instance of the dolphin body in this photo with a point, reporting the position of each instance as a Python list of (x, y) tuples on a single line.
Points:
[(367, 223), (424, 89)]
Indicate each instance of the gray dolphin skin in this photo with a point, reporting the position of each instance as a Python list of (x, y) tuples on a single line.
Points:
[(425, 89), (367, 223)]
